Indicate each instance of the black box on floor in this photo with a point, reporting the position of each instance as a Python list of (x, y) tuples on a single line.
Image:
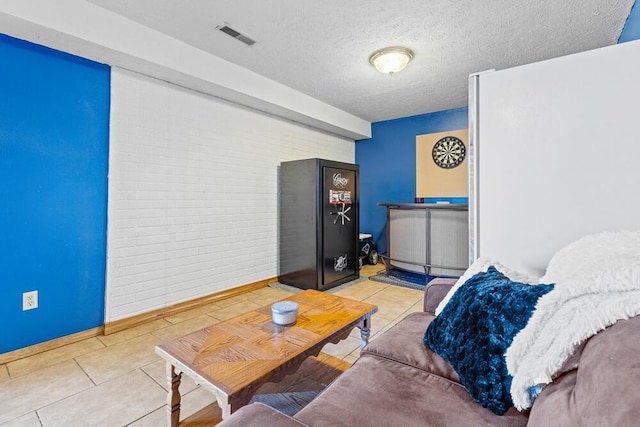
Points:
[(368, 250)]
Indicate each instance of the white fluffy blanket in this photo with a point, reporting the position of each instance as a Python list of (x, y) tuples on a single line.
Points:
[(597, 282)]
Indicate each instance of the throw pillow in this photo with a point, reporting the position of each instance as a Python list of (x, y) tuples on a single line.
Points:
[(475, 329), (481, 265)]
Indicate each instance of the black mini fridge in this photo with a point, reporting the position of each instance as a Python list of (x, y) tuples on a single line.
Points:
[(319, 223)]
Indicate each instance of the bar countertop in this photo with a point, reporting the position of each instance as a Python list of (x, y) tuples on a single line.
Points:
[(449, 206)]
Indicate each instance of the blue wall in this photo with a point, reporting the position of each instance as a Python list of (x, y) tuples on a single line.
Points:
[(631, 30), (388, 164), (54, 129)]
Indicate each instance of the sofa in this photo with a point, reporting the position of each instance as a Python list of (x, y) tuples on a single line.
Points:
[(399, 381)]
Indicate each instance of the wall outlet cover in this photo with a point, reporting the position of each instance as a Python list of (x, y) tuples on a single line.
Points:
[(29, 300)]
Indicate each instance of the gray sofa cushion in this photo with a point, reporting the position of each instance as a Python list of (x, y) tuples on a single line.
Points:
[(604, 389), (380, 392), (435, 291), (261, 415), (403, 344), (398, 381)]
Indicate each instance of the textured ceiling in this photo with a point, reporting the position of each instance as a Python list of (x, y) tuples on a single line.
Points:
[(321, 48)]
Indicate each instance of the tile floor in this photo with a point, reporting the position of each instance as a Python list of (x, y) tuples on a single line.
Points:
[(118, 380)]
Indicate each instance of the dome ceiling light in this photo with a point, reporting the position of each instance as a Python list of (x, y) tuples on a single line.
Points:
[(390, 60)]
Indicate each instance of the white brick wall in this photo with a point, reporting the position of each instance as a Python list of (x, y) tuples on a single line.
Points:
[(193, 192)]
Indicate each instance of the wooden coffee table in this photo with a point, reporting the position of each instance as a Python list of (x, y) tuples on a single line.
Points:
[(234, 358)]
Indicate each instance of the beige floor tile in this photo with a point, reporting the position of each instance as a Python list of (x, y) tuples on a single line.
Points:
[(386, 327), (195, 400), (417, 307), (235, 310), (415, 297), (134, 332), (29, 420), (400, 295), (183, 328), (114, 403), (191, 403), (287, 288), (266, 300), (350, 359), (357, 293), (27, 393), (370, 284), (190, 314), (154, 419), (233, 300), (343, 348), (388, 309), (362, 285), (158, 371), (119, 359), (270, 299), (355, 353), (356, 333), (378, 322), (268, 290), (4, 373), (267, 296), (379, 325), (370, 270), (52, 357)]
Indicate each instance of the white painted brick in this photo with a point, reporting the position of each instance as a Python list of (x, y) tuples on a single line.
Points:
[(193, 192)]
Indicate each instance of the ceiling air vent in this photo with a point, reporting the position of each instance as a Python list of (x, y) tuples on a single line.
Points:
[(236, 35)]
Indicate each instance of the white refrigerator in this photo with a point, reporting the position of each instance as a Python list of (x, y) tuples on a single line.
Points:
[(555, 154)]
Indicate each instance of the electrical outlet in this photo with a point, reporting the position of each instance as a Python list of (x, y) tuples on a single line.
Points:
[(29, 300)]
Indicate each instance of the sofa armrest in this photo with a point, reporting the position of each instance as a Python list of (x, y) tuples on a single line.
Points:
[(435, 291), (260, 415)]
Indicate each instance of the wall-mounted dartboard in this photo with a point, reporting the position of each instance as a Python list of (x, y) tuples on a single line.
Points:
[(448, 152)]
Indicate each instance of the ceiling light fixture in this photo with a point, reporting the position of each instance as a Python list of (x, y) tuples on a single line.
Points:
[(390, 60)]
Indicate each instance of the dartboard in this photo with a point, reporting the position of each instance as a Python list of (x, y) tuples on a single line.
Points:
[(448, 152)]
